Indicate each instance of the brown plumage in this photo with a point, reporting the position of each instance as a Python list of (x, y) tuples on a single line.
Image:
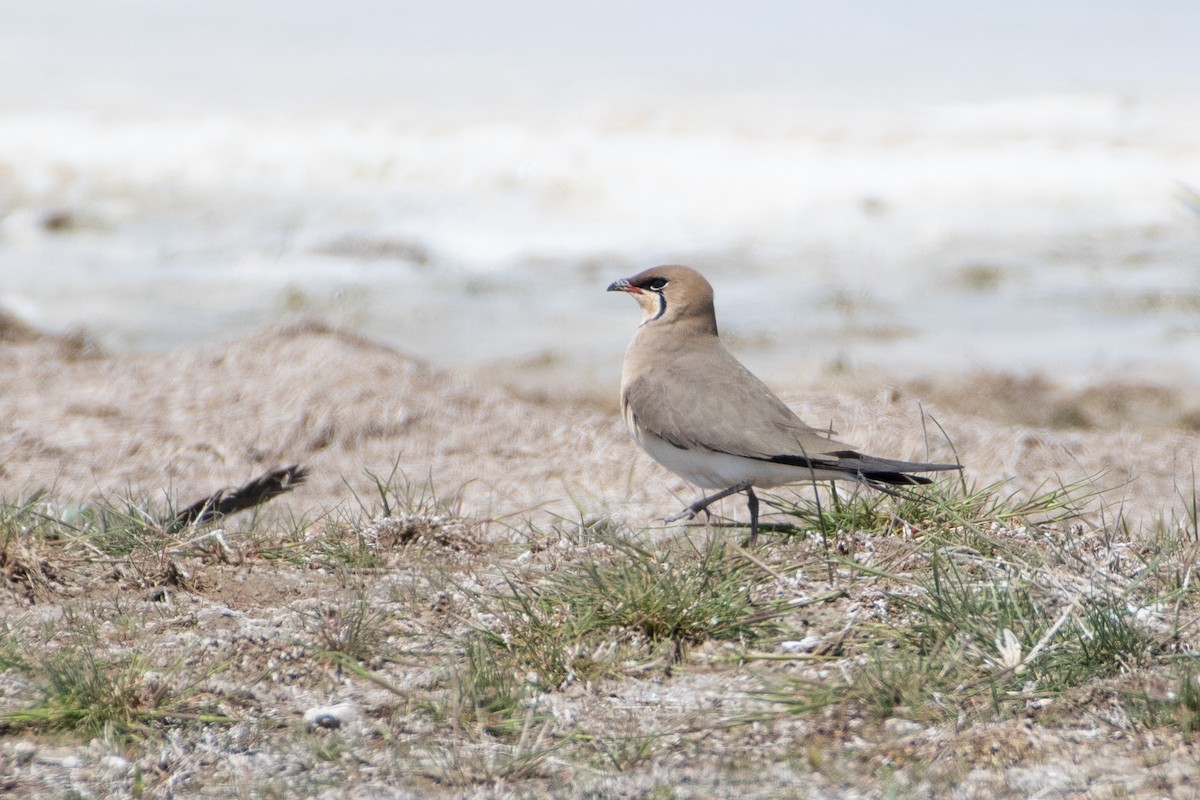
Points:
[(224, 502), (698, 411)]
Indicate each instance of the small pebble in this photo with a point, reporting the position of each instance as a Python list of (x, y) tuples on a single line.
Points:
[(72, 762), (115, 764), (901, 727), (805, 645), (330, 717), (24, 751)]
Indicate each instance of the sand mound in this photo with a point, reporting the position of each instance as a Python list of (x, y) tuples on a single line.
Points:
[(191, 422)]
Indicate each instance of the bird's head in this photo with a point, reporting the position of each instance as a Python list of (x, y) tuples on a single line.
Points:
[(671, 294)]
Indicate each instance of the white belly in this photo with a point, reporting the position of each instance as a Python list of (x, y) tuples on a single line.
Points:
[(710, 470)]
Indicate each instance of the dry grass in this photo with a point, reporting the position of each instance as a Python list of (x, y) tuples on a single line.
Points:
[(560, 662)]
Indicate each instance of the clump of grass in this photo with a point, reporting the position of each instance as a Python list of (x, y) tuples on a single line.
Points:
[(86, 690), (623, 746), (939, 507), (1178, 707), (115, 530), (948, 504), (23, 519), (1015, 635), (11, 656), (401, 512), (36, 534), (983, 645), (337, 543), (486, 694), (665, 598), (489, 702), (106, 528), (573, 625), (398, 495), (983, 623), (856, 511), (353, 626), (24, 529)]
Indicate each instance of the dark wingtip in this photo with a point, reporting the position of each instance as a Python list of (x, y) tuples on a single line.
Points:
[(224, 502), (897, 478)]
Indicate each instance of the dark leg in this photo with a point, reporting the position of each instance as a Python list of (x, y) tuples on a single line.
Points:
[(704, 502), (752, 502)]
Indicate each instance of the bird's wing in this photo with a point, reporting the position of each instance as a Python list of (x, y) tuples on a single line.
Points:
[(709, 401)]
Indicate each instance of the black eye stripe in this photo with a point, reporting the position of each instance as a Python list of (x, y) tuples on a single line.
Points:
[(656, 284)]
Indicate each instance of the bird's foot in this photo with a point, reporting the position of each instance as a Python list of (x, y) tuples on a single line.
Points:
[(689, 513)]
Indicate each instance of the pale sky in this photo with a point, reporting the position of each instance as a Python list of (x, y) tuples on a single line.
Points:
[(361, 54)]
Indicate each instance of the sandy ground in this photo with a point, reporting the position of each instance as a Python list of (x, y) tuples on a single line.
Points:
[(183, 424), (82, 424)]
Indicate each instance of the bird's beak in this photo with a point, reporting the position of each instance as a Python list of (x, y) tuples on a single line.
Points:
[(623, 285)]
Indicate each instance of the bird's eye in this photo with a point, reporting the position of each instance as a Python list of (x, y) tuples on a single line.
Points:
[(656, 284)]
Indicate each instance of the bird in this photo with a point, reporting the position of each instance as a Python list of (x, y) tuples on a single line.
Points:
[(695, 409)]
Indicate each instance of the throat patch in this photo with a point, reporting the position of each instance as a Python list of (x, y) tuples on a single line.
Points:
[(662, 308)]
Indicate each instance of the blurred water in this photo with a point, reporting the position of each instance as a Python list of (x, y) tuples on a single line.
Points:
[(927, 189)]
